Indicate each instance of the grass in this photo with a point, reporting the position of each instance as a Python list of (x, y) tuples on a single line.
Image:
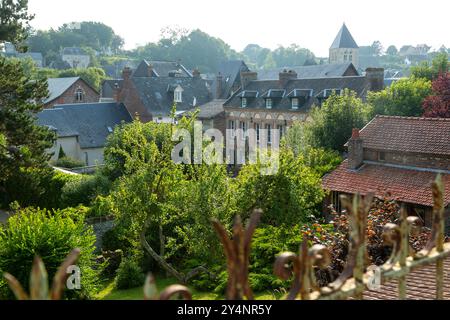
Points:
[(111, 293)]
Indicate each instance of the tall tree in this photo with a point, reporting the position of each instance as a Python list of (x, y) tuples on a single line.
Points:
[(438, 104), (14, 19), (402, 98), (332, 123), (22, 141)]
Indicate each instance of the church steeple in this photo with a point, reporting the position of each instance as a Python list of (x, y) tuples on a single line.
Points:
[(344, 48), (344, 39)]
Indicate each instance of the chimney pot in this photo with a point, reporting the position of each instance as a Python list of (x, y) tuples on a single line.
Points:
[(286, 75), (355, 150)]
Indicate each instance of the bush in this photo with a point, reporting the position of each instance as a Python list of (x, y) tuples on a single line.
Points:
[(35, 187), (129, 275), (83, 189), (52, 235), (69, 163)]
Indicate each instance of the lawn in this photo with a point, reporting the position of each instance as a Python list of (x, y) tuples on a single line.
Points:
[(110, 293)]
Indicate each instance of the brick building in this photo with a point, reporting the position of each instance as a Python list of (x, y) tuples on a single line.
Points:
[(69, 91), (277, 103), (400, 156), (151, 90)]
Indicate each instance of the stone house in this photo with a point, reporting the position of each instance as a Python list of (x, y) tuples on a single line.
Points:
[(400, 156), (344, 48), (76, 57), (82, 129), (69, 91), (276, 104)]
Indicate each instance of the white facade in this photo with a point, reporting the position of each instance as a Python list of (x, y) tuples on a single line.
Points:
[(77, 61), (72, 149)]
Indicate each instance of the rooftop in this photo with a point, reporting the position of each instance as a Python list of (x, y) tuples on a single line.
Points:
[(91, 122), (344, 39), (407, 134), (57, 87), (317, 71), (407, 185)]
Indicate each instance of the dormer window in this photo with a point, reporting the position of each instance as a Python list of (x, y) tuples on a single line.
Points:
[(244, 103), (178, 95), (79, 95), (269, 103), (295, 103)]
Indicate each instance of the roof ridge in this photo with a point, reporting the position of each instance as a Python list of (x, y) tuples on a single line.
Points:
[(411, 118)]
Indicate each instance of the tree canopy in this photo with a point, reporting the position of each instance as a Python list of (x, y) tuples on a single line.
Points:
[(14, 19)]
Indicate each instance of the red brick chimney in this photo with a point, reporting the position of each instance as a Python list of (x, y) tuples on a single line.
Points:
[(116, 92), (126, 73), (355, 151), (375, 79), (285, 76)]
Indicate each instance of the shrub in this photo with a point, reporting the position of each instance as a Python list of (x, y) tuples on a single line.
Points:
[(129, 275), (83, 189), (35, 187), (51, 235), (69, 163)]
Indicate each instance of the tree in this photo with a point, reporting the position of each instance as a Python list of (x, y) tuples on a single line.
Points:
[(440, 64), (290, 196), (22, 141), (402, 98), (392, 50), (333, 122), (92, 75), (437, 105), (14, 19)]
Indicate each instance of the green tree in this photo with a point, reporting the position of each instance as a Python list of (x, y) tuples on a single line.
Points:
[(94, 76), (440, 64), (402, 98), (14, 19), (332, 123), (23, 142), (392, 50), (291, 196)]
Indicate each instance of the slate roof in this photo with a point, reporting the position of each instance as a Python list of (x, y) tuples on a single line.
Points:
[(88, 121), (231, 74), (209, 110), (259, 88), (161, 69), (406, 185), (420, 285), (408, 134), (307, 72), (158, 100), (108, 87), (57, 87), (344, 39)]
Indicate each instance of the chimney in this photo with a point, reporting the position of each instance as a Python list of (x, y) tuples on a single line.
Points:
[(126, 73), (150, 71), (355, 151), (196, 73), (116, 92), (247, 77), (375, 79), (219, 86), (285, 76)]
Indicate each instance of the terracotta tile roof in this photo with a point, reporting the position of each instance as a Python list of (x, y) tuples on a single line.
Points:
[(420, 285), (406, 185), (404, 134)]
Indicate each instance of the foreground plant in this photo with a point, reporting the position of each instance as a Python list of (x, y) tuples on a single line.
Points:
[(39, 280)]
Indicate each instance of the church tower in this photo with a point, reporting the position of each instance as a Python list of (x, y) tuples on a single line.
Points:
[(344, 48)]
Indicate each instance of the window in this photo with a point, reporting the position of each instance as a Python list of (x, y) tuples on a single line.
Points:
[(243, 126), (269, 103), (381, 156), (269, 133), (345, 57), (295, 103), (258, 129), (350, 58), (281, 130), (244, 103), (178, 95), (231, 124), (79, 95)]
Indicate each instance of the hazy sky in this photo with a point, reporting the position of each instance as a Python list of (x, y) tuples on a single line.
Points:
[(311, 24)]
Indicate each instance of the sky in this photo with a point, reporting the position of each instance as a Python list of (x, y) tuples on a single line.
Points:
[(312, 24)]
